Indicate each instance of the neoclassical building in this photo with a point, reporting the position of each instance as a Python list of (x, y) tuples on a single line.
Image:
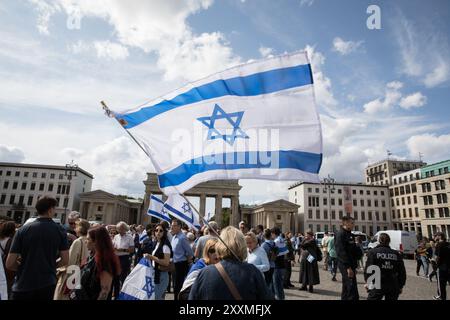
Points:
[(107, 208)]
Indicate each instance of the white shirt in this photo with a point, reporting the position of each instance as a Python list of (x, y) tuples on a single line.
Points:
[(123, 242), (258, 257), (165, 249)]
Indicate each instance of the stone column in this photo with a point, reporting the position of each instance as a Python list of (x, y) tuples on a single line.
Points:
[(218, 209), (235, 211), (202, 204)]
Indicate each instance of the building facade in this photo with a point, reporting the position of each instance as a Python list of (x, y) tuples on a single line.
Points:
[(107, 208), (405, 206), (21, 185), (321, 208), (381, 173), (433, 194)]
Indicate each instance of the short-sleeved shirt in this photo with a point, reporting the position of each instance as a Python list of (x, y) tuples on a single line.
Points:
[(38, 244), (165, 249), (123, 242)]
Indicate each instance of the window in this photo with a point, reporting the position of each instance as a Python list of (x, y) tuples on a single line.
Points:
[(324, 201), (361, 202), (68, 191), (17, 173), (377, 216), (415, 199), (340, 202), (404, 213), (14, 186), (383, 203), (402, 190), (310, 226), (393, 214), (403, 201), (50, 187), (278, 216), (318, 214), (8, 173), (52, 176), (57, 202), (363, 215), (34, 174), (33, 186), (416, 212), (397, 201), (376, 203), (339, 191), (333, 215), (317, 190), (325, 214), (24, 186), (25, 174), (375, 193), (370, 215), (354, 192), (309, 212), (30, 200), (355, 203), (370, 230), (333, 202), (408, 200), (61, 176), (413, 188), (66, 202), (361, 192), (309, 190), (21, 199), (41, 187), (364, 229), (340, 214), (368, 192), (318, 228), (2, 199), (1, 172), (43, 175), (11, 199), (410, 212), (355, 215), (408, 189), (369, 203)]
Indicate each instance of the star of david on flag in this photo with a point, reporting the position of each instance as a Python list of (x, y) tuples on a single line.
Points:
[(180, 209), (140, 283), (259, 119), (218, 114)]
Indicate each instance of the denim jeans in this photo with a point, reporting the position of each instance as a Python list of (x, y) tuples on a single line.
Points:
[(332, 266), (424, 264), (278, 280), (161, 287)]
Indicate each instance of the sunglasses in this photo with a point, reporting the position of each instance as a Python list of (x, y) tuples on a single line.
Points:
[(159, 230)]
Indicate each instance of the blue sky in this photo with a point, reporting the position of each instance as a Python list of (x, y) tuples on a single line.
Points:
[(376, 90)]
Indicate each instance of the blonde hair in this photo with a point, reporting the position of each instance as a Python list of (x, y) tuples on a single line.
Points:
[(211, 243), (84, 226), (234, 240)]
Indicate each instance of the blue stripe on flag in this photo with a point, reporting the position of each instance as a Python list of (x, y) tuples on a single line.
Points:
[(178, 213), (158, 215), (125, 296), (251, 85), (305, 161), (156, 199)]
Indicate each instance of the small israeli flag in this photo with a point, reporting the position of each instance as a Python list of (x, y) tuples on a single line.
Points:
[(179, 208), (157, 210), (140, 283)]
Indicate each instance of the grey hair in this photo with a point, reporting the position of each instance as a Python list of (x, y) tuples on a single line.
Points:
[(124, 225), (74, 215)]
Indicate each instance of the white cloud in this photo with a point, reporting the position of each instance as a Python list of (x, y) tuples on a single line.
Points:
[(322, 84), (266, 52), (160, 27), (308, 3), (414, 100), (345, 47), (433, 147), (73, 153), (391, 98), (430, 64), (11, 154), (110, 50), (45, 11)]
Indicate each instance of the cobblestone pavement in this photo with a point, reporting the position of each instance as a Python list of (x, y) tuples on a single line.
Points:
[(416, 288)]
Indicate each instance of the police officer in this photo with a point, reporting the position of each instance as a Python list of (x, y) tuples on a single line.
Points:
[(389, 267), (348, 255), (443, 265)]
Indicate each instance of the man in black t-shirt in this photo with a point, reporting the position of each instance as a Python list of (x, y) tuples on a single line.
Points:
[(34, 253)]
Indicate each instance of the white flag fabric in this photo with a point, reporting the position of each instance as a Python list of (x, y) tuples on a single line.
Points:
[(179, 208), (256, 121), (140, 283), (156, 209), (3, 285)]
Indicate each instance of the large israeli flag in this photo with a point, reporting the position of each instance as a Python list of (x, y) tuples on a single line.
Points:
[(140, 283), (256, 121), (156, 209), (177, 206), (3, 285)]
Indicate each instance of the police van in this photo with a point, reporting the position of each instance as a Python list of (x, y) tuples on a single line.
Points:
[(403, 241)]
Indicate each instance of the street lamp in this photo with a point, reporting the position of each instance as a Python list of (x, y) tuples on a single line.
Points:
[(69, 172), (329, 183)]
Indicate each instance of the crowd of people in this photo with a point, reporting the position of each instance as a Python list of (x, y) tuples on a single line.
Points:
[(230, 264)]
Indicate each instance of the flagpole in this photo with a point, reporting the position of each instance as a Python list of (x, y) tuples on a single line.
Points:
[(209, 227)]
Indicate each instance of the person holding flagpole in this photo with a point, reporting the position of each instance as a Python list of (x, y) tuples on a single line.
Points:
[(182, 256)]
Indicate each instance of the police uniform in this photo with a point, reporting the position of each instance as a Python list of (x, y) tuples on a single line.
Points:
[(392, 273), (347, 255)]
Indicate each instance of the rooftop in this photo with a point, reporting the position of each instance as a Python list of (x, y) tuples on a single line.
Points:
[(395, 160), (42, 166)]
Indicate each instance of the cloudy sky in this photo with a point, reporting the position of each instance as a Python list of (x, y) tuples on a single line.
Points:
[(376, 90)]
